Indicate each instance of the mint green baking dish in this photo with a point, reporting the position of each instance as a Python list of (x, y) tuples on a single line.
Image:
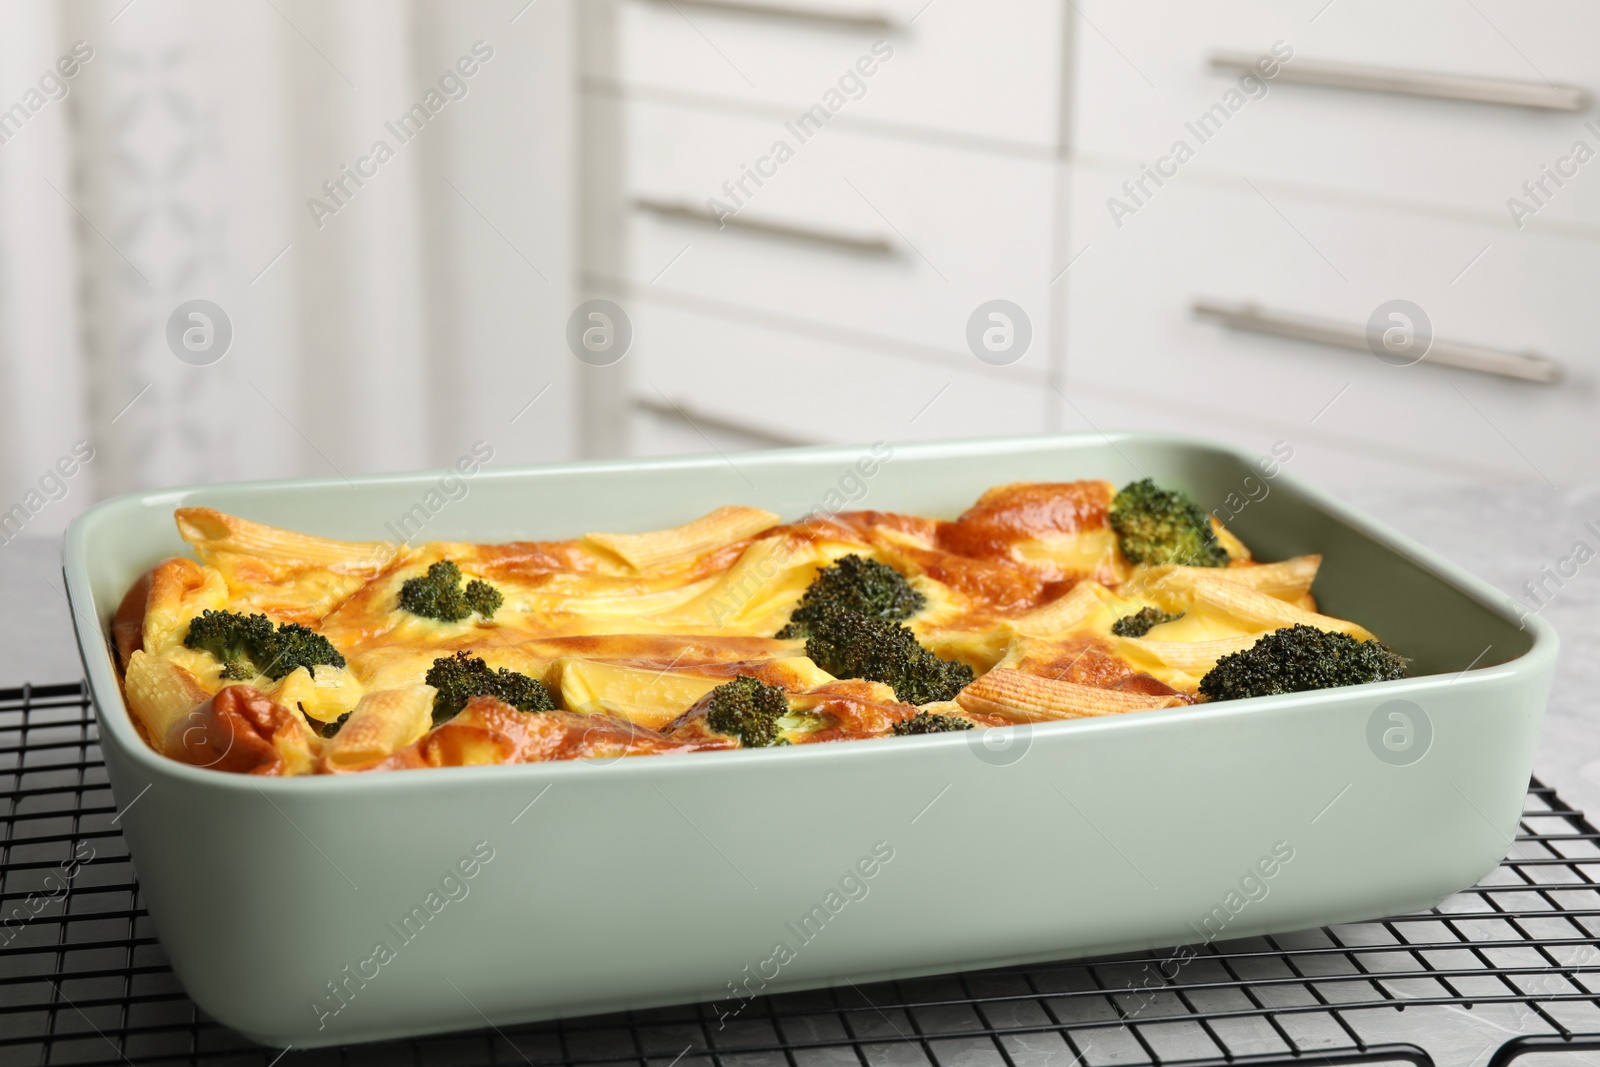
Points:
[(326, 911)]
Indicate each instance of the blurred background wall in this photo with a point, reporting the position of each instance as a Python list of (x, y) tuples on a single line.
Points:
[(802, 214), (388, 329)]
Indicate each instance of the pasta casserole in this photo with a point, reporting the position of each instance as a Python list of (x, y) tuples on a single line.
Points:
[(282, 653)]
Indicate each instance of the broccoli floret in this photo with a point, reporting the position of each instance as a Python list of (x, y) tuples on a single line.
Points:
[(1143, 621), (927, 722), (461, 677), (438, 595), (237, 639), (1298, 658), (749, 709), (483, 598), (848, 644), (522, 692), (295, 646), (855, 583), (229, 636), (1155, 525)]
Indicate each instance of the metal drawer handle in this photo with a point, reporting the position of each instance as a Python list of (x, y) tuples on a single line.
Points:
[(871, 246), (865, 20), (1527, 367), (1413, 82)]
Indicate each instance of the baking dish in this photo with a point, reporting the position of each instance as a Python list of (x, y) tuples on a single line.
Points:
[(326, 911)]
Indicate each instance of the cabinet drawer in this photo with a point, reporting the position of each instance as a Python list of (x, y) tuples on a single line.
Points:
[(891, 240), (1131, 320), (793, 388), (989, 70), (1136, 105)]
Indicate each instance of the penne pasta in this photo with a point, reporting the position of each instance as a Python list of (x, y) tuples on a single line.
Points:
[(663, 548), (161, 695), (214, 534), (1190, 657), (1258, 611), (649, 697), (1170, 584), (1018, 697), (1063, 614), (178, 590), (1289, 579), (379, 726)]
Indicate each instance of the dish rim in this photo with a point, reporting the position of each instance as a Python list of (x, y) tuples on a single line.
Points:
[(117, 730)]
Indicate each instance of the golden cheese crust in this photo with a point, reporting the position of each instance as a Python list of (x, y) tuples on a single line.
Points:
[(630, 631)]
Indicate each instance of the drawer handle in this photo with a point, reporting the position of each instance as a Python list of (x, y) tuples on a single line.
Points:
[(870, 246), (1413, 82), (1529, 367), (864, 20)]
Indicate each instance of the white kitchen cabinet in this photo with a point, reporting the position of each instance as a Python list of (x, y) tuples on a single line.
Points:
[(990, 70), (1130, 320), (894, 240), (1138, 94), (791, 386), (981, 161)]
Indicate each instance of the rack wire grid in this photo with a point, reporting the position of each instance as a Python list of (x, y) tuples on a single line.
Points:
[(1509, 966)]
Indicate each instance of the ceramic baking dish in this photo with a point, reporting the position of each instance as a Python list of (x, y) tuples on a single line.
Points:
[(331, 910)]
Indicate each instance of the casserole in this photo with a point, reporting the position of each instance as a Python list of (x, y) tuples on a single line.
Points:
[(285, 653), (328, 910)]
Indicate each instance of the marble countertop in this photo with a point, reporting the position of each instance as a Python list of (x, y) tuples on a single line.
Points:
[(1504, 535)]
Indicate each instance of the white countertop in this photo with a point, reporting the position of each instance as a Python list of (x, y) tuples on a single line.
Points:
[(1504, 535)]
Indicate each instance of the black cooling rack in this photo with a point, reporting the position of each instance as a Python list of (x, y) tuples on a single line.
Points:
[(83, 980)]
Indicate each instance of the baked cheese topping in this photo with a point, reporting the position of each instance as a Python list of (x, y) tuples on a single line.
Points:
[(631, 634)]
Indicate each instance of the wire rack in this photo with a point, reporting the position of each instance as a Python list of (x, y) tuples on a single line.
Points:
[(83, 979)]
